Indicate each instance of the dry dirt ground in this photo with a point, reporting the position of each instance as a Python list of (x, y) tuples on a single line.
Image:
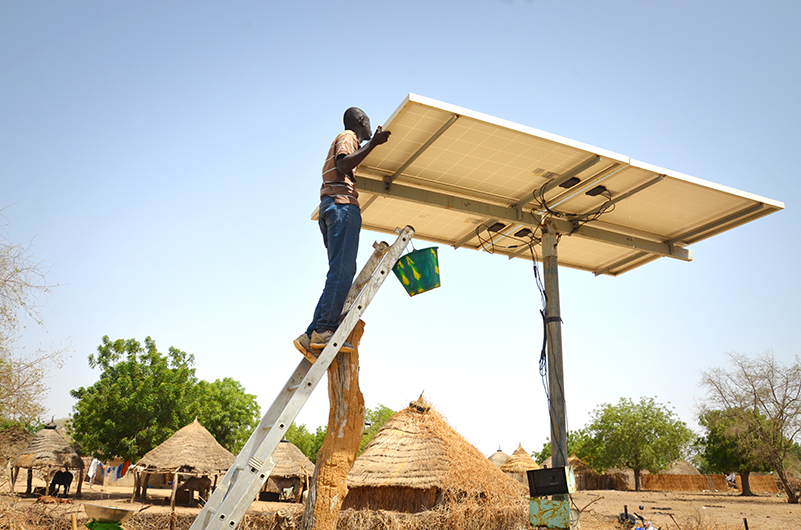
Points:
[(599, 509), (689, 511)]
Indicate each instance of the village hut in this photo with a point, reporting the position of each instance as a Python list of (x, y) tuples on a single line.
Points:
[(290, 476), (47, 452), (498, 457), (417, 462), (191, 452), (518, 463)]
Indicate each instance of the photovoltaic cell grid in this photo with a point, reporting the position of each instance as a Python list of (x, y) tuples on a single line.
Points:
[(451, 173)]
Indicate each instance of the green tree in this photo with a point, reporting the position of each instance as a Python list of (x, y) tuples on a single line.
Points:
[(374, 419), (577, 443), (729, 446), (226, 411), (308, 443), (640, 436), (768, 392), (140, 400)]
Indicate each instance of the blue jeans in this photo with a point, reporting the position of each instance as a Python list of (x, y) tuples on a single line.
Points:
[(340, 225)]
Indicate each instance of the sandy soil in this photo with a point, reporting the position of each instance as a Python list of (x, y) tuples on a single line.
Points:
[(688, 511), (599, 509)]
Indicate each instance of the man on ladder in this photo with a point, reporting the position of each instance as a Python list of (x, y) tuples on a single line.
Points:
[(340, 222)]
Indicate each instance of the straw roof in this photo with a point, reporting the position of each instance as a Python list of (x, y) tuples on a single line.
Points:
[(498, 457), (48, 449), (416, 448), (191, 449), (290, 461), (519, 462), (681, 467)]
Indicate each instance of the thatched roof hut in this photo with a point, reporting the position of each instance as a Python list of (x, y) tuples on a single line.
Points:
[(292, 471), (417, 461), (518, 463), (498, 457), (49, 452), (191, 450), (290, 461)]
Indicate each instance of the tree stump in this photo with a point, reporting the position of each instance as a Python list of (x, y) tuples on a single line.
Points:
[(341, 444)]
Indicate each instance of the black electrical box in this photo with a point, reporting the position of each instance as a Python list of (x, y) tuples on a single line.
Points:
[(548, 481)]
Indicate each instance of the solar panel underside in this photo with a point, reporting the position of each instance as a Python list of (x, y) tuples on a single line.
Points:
[(453, 173)]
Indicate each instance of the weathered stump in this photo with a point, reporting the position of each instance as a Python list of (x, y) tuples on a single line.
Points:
[(341, 444)]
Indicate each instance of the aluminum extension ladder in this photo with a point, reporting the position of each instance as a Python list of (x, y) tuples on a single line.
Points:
[(237, 490)]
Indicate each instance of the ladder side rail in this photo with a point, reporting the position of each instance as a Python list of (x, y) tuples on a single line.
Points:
[(366, 294), (238, 497), (256, 439), (380, 248), (271, 416)]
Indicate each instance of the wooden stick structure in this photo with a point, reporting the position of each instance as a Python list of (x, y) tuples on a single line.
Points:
[(345, 427)]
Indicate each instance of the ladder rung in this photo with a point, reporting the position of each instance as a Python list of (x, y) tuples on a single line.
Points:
[(223, 510)]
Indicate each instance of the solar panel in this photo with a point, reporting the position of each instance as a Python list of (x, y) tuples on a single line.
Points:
[(453, 174)]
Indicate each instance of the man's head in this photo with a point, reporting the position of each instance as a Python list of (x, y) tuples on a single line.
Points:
[(357, 121)]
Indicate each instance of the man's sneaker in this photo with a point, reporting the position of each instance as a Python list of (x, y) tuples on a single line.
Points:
[(303, 345), (320, 341)]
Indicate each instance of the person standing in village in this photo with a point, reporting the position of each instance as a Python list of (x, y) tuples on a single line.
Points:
[(340, 221)]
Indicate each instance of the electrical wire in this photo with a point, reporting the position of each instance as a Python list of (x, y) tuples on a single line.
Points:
[(578, 220), (488, 244)]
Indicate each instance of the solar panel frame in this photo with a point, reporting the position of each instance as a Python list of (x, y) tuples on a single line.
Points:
[(449, 171)]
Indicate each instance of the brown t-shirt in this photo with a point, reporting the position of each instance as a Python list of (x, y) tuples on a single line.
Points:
[(336, 184)]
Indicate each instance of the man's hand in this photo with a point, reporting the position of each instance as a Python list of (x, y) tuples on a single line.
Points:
[(346, 164), (380, 137)]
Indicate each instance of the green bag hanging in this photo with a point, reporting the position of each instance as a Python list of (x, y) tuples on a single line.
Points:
[(418, 271)]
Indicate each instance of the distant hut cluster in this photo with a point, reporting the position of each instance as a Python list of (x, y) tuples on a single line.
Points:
[(518, 464)]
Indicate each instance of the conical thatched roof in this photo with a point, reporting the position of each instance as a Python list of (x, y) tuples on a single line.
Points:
[(498, 457), (519, 462), (290, 461), (416, 448), (48, 450), (191, 449), (681, 467)]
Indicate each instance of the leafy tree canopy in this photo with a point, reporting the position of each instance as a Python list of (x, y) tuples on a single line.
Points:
[(730, 446), (577, 442), (639, 436), (143, 397), (374, 419), (228, 413), (767, 394), (309, 443)]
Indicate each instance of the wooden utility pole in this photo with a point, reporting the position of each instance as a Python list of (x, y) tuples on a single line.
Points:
[(345, 427), (556, 374)]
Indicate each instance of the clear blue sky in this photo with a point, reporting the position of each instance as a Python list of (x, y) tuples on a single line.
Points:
[(165, 159)]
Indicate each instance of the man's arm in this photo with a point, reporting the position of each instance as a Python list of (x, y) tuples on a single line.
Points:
[(346, 163)]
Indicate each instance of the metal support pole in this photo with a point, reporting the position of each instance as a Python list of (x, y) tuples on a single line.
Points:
[(556, 379)]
